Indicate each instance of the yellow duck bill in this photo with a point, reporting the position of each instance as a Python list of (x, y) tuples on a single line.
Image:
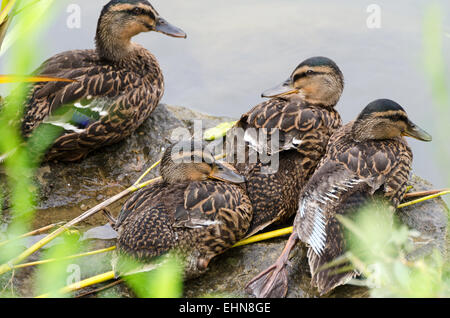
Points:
[(416, 132), (285, 88), (166, 28)]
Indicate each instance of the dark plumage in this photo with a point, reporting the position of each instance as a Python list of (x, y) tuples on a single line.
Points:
[(187, 212), (366, 158), (116, 87), (301, 117)]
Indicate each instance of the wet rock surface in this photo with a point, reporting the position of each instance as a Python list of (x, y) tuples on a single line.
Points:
[(67, 190)]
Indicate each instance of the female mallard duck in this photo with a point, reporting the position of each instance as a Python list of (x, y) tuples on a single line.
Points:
[(366, 158), (299, 119), (197, 209), (115, 88)]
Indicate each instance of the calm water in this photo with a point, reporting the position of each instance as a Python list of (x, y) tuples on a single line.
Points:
[(236, 49)]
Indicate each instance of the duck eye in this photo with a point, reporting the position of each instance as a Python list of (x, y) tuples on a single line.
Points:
[(310, 72), (137, 11)]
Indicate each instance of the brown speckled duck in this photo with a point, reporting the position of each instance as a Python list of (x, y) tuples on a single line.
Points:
[(301, 114), (116, 87), (366, 158), (199, 210)]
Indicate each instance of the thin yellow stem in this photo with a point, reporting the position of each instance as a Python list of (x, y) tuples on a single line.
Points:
[(264, 236), (29, 79), (423, 199), (50, 260), (83, 284), (95, 291), (147, 172), (35, 232)]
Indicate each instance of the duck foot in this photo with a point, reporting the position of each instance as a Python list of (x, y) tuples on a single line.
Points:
[(272, 282)]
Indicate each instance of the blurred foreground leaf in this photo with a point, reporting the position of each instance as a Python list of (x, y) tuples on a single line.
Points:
[(378, 247), (166, 281), (33, 16), (435, 68), (52, 277)]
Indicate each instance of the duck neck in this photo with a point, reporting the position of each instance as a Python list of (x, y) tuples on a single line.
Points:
[(322, 97), (364, 130)]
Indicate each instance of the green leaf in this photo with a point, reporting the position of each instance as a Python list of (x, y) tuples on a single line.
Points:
[(218, 131), (165, 281)]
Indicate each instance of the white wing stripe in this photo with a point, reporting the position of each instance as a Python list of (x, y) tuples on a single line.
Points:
[(318, 235)]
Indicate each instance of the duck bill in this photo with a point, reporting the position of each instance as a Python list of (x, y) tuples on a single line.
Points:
[(286, 88), (416, 132), (166, 28), (223, 173)]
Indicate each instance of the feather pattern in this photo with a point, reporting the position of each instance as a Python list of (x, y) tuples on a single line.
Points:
[(123, 94), (201, 219), (304, 131), (350, 174)]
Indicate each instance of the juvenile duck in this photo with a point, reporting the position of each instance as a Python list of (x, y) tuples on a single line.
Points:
[(300, 116), (366, 158), (197, 210), (116, 86)]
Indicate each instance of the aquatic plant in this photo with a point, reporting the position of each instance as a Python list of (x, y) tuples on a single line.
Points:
[(379, 248), (22, 161)]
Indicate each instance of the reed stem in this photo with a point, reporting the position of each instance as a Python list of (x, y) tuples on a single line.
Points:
[(51, 260), (83, 284)]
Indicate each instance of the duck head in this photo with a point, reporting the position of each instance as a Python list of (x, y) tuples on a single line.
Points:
[(317, 80), (385, 119), (189, 161), (120, 20)]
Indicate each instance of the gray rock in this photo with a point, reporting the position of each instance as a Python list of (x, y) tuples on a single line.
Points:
[(429, 218), (66, 190), (229, 273)]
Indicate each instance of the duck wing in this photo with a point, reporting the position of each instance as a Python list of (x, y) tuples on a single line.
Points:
[(332, 190), (348, 177), (76, 105), (207, 203), (287, 122), (140, 200)]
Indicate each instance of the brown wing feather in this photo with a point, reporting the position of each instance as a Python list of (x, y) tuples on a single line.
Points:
[(132, 89), (293, 120), (275, 195), (200, 218), (348, 176)]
